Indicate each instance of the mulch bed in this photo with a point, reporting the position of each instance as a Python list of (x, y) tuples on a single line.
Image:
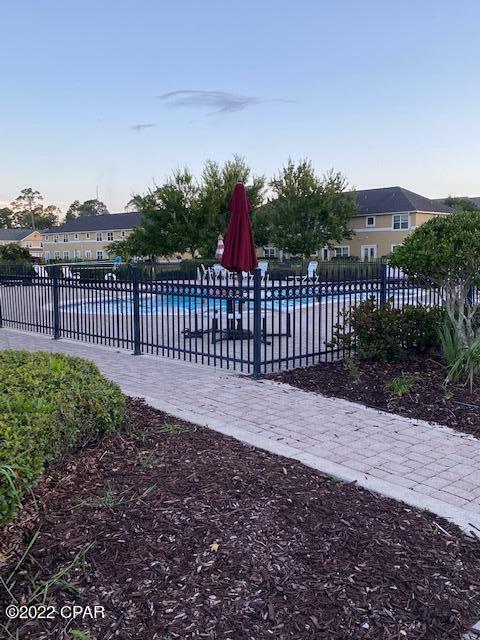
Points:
[(428, 399), (195, 535)]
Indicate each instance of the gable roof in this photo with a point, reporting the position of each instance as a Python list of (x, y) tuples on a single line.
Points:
[(15, 235), (395, 199), (103, 222)]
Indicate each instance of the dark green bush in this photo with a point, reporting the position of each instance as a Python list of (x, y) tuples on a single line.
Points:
[(385, 334), (49, 404)]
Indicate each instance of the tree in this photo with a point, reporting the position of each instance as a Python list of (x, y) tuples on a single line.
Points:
[(92, 208), (180, 198), (160, 233), (216, 188), (13, 253), (262, 225), (445, 252), (126, 249), (6, 218), (461, 204), (132, 205), (72, 211), (27, 208), (309, 212), (48, 217)]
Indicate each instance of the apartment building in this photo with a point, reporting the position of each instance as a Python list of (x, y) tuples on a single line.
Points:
[(27, 238), (87, 238)]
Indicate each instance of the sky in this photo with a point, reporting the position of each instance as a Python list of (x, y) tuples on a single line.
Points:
[(112, 95)]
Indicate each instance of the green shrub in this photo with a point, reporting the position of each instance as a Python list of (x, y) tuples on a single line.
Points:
[(386, 334), (466, 366), (401, 385), (449, 343), (49, 404)]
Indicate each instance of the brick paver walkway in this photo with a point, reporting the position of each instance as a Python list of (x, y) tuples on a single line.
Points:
[(425, 465)]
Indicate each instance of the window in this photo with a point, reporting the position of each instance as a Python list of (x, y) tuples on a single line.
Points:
[(56, 255), (393, 247), (55, 238), (269, 252), (65, 237), (78, 253), (325, 253), (99, 254), (87, 236), (342, 252), (28, 245), (369, 252), (47, 255), (400, 221), (109, 236), (47, 238), (88, 253), (123, 233), (370, 221), (66, 255), (76, 236), (99, 236)]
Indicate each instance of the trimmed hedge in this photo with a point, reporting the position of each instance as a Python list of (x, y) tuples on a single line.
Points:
[(49, 404)]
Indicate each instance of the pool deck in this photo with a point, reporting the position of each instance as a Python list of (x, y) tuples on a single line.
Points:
[(425, 465)]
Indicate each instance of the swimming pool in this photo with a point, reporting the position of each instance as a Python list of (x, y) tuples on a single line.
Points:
[(171, 304)]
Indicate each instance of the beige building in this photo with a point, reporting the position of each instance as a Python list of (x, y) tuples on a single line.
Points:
[(87, 238), (384, 218), (26, 238)]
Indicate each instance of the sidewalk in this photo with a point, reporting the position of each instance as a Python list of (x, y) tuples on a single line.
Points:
[(427, 466)]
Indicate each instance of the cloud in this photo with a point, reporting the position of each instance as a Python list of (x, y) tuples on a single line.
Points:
[(140, 127), (218, 102)]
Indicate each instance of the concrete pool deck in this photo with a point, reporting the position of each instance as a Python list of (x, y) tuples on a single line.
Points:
[(425, 465)]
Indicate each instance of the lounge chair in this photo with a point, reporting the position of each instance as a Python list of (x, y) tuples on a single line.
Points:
[(263, 264), (203, 273), (311, 272), (41, 272), (68, 274)]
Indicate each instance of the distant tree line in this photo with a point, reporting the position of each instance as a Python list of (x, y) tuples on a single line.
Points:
[(28, 211)]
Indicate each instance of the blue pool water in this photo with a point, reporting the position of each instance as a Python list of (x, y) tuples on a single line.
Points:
[(174, 304)]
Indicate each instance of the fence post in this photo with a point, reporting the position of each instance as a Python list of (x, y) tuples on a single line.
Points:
[(257, 322), (383, 283), (56, 303), (137, 351)]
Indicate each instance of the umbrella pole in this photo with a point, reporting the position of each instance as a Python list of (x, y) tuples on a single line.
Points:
[(240, 304)]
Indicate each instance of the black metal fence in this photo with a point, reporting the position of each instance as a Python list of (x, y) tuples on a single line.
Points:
[(252, 323)]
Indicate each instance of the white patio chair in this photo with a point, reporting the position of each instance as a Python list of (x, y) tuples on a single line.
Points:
[(205, 273), (395, 273), (68, 274), (311, 272), (41, 272), (263, 264), (220, 272)]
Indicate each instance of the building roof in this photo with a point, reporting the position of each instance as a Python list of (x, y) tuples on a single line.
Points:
[(396, 199), (103, 222), (14, 235)]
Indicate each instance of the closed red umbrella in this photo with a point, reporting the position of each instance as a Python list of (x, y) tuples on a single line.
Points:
[(239, 253)]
